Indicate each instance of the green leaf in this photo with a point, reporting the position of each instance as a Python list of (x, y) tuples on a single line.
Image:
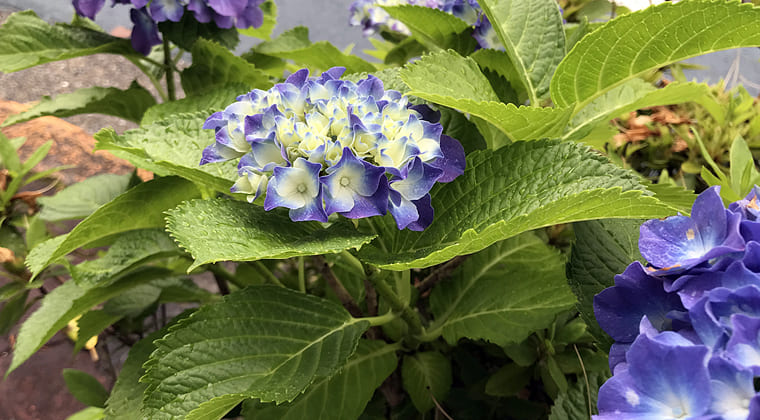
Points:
[(215, 66), (574, 404), (532, 35), (508, 380), (517, 188), (677, 197), (27, 41), (125, 401), (92, 324), (426, 375), (131, 249), (633, 44), (82, 199), (129, 104), (63, 304), (498, 62), (171, 147), (435, 29), (89, 413), (215, 100), (295, 45), (743, 173), (226, 230), (602, 249), (9, 156), (449, 79), (340, 397), (630, 96), (530, 279), (85, 388), (141, 207), (188, 31), (270, 21), (263, 342), (12, 311)]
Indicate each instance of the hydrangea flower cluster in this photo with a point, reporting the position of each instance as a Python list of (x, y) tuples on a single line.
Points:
[(687, 325), (370, 15), (148, 13), (323, 146)]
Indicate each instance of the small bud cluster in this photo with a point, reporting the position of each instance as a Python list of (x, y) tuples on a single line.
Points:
[(323, 146), (687, 325), (148, 13)]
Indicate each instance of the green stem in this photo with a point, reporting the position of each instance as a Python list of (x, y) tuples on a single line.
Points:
[(397, 305), (169, 71), (301, 275), (221, 274), (376, 321), (156, 84), (268, 274)]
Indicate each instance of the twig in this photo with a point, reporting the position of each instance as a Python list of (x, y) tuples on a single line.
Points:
[(585, 378), (109, 363), (439, 273), (340, 291), (221, 283), (439, 408)]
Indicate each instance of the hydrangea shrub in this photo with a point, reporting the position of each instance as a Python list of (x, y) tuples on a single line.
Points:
[(383, 238)]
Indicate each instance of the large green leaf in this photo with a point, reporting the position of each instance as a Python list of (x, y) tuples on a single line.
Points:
[(130, 250), (215, 66), (81, 199), (517, 188), (171, 147), (531, 33), (210, 102), (129, 104), (92, 324), (602, 249), (125, 402), (65, 303), (503, 294), (449, 79), (426, 375), (226, 230), (263, 342), (295, 45), (630, 96), (578, 399), (340, 397), (633, 44), (435, 29), (141, 207), (26, 41)]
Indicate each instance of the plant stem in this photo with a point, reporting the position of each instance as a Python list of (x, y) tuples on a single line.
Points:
[(266, 273), (340, 291), (397, 305), (440, 273), (381, 319), (301, 275), (169, 69), (156, 84), (222, 275)]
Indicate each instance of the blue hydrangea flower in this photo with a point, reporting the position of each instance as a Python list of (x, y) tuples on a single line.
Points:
[(147, 13), (680, 242), (700, 302), (329, 146)]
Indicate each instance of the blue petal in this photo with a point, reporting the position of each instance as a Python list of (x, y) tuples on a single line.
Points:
[(144, 31), (88, 8)]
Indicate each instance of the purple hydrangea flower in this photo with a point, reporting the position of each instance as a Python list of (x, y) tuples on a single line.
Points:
[(699, 312), (147, 13), (365, 151), (680, 242)]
